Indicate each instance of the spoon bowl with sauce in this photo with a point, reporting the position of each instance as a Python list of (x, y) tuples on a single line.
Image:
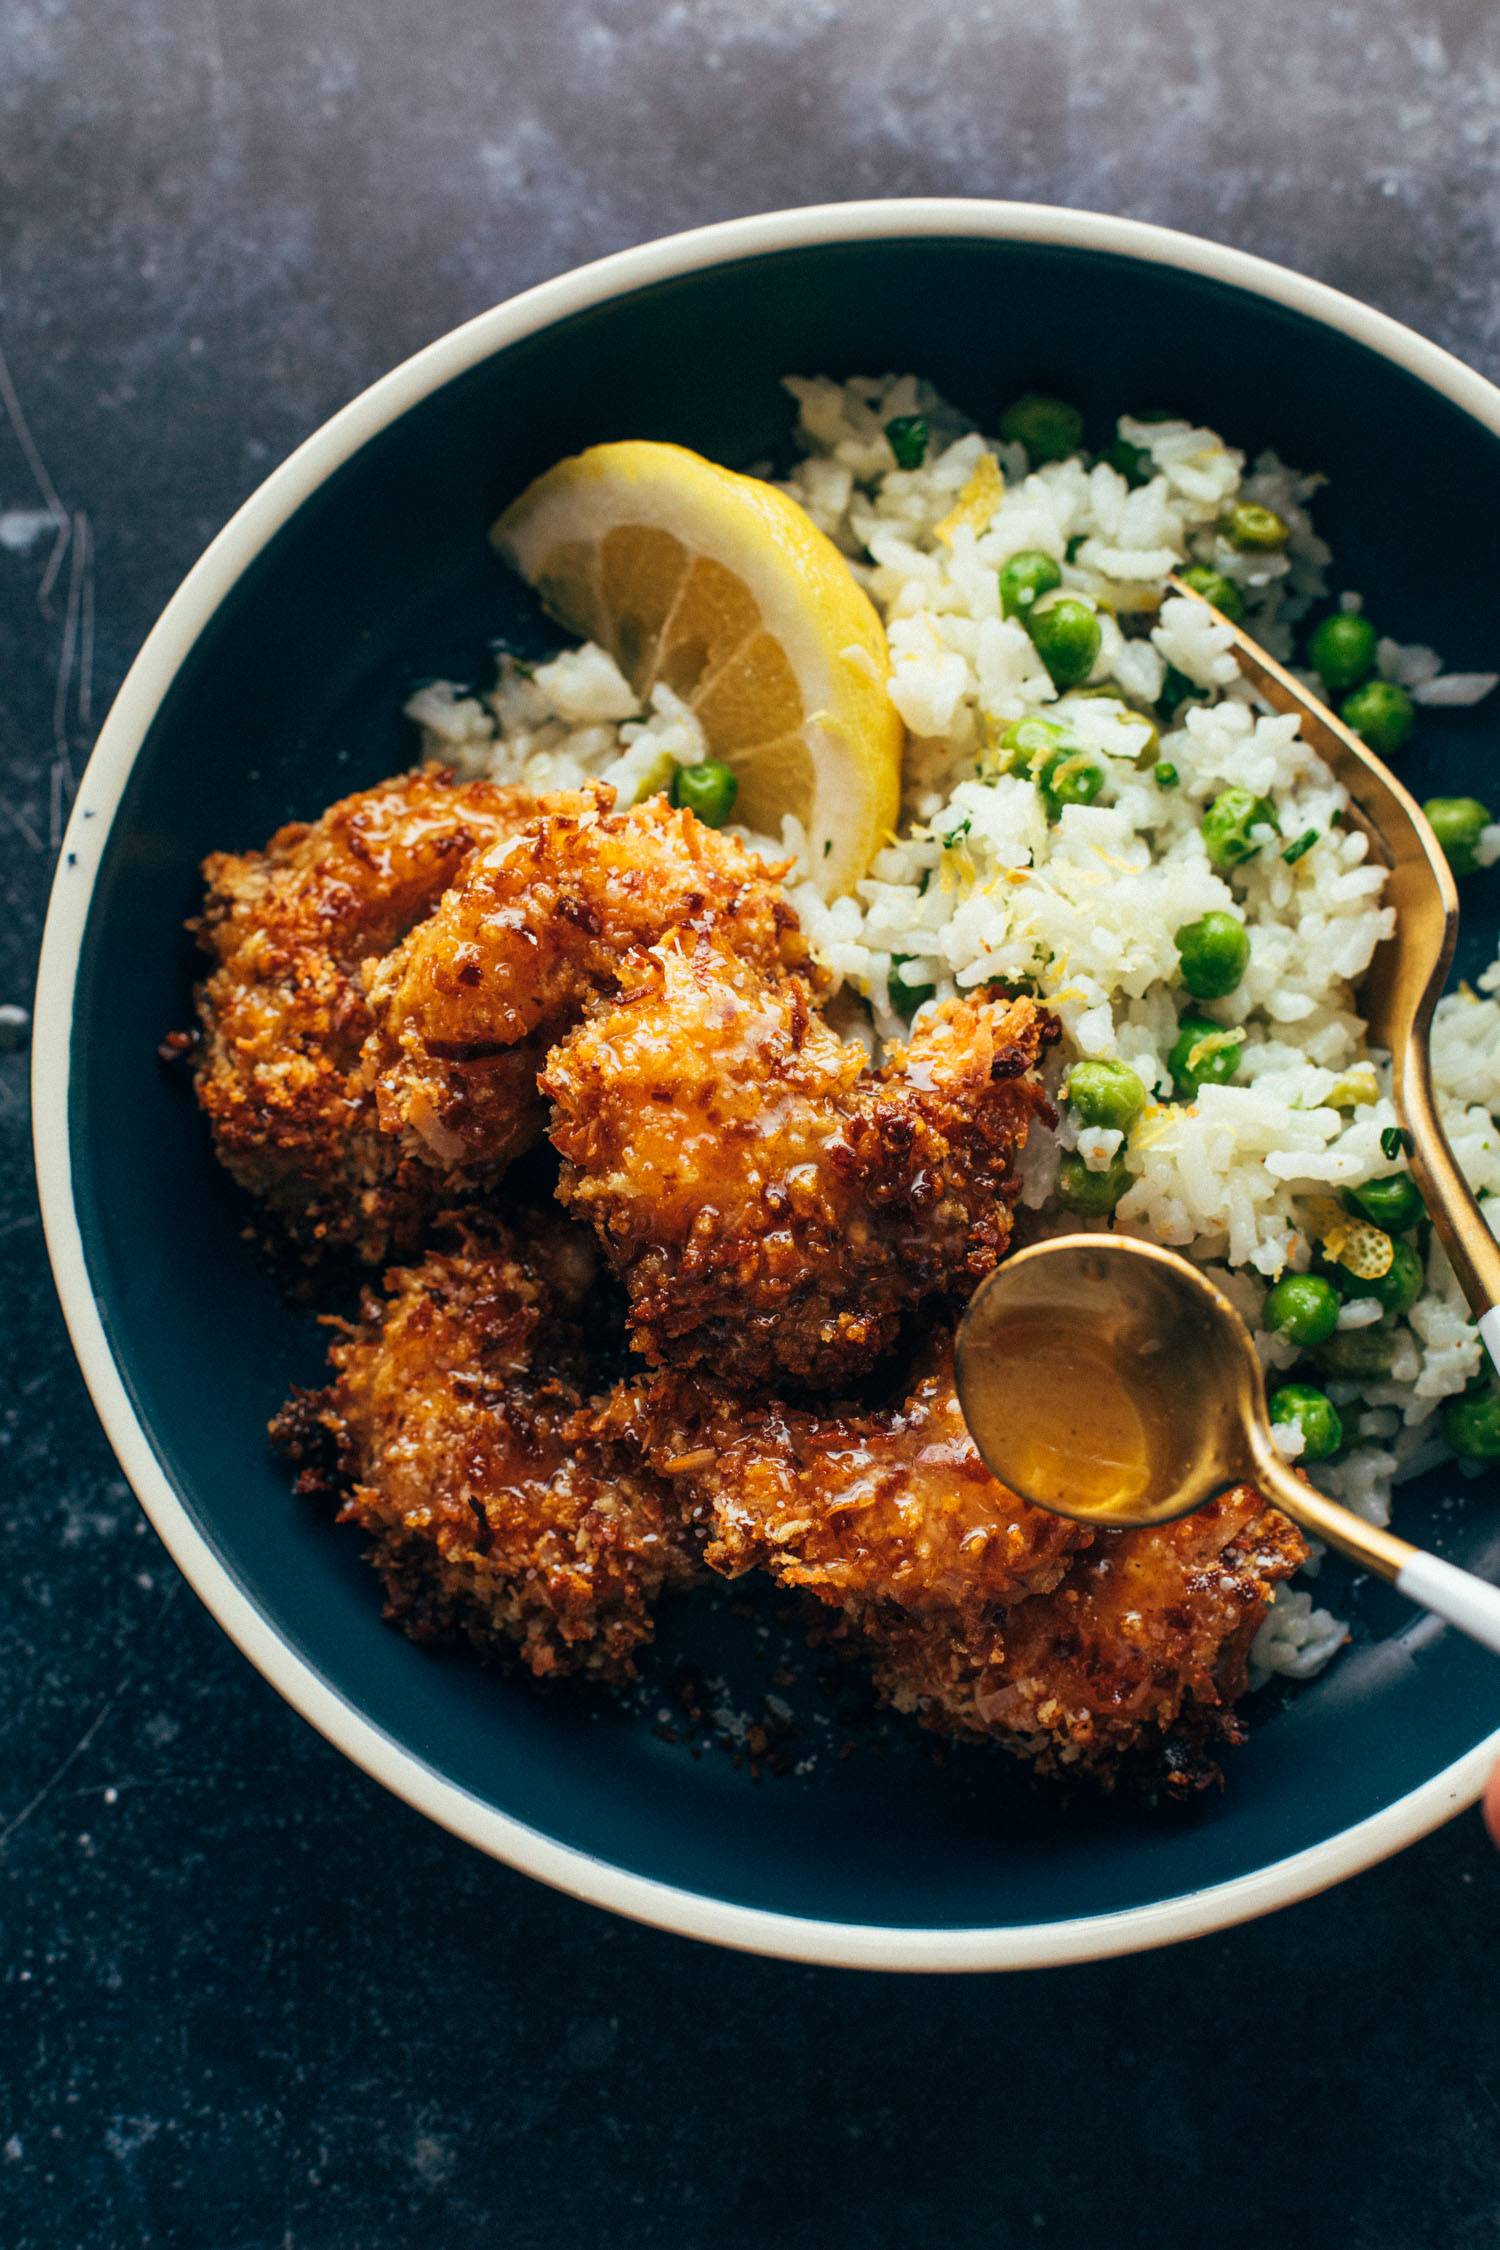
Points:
[(1110, 1380)]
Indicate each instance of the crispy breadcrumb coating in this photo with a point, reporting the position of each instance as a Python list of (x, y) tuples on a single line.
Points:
[(467, 1008), (870, 1510), (1081, 1651), (773, 1204), (447, 1436), (1132, 1664), (283, 1011), (399, 989)]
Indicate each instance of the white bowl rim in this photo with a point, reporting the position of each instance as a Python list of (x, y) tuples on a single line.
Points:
[(565, 1868)]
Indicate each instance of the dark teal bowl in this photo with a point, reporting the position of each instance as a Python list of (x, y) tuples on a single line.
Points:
[(274, 682)]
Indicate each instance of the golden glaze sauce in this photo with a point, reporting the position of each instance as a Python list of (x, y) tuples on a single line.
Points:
[(1059, 1420)]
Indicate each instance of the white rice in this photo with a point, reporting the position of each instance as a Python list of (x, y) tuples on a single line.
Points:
[(978, 885)]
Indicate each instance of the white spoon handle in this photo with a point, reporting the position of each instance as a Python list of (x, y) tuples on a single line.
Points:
[(1470, 1603)]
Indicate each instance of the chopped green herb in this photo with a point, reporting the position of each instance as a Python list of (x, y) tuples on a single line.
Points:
[(956, 835), (1304, 843), (1165, 775), (1392, 1143), (906, 996), (1176, 687), (907, 436)]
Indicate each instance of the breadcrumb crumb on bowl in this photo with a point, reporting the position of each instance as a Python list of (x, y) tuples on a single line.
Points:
[(274, 682)]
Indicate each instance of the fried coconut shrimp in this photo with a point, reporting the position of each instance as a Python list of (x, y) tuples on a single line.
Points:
[(447, 1436), (773, 1204), (467, 1008), (1078, 1650), (876, 1513), (1133, 1662), (283, 1010)]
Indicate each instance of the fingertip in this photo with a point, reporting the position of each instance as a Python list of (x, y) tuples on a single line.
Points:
[(1492, 1807)]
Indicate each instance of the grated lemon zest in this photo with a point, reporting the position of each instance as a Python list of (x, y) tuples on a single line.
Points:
[(977, 502)]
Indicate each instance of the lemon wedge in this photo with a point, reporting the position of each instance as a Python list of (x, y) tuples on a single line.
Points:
[(724, 589)]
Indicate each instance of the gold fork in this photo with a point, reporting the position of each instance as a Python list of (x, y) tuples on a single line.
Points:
[(1407, 975)]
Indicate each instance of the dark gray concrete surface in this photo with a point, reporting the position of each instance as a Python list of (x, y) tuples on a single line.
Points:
[(249, 2002)]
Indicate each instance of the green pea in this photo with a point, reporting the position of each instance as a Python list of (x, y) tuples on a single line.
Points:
[(1069, 778), (1302, 1307), (1091, 1194), (1203, 1054), (1067, 638), (1132, 462), (1397, 1289), (1165, 775), (1381, 714), (1458, 823), (1215, 954), (1394, 1203), (1026, 740), (906, 996), (1248, 525), (1108, 1094), (1024, 580), (1472, 1425), (1359, 1353), (906, 434), (1342, 650), (1216, 588), (709, 790), (1314, 1414), (1049, 428), (1227, 824)]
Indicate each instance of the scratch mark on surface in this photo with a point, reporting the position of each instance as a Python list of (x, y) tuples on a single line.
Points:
[(69, 635), (54, 564), (10, 404), (62, 1767), (20, 823), (213, 55), (86, 634)]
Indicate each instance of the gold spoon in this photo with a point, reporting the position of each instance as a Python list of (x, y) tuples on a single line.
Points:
[(1107, 1379), (1406, 977)]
